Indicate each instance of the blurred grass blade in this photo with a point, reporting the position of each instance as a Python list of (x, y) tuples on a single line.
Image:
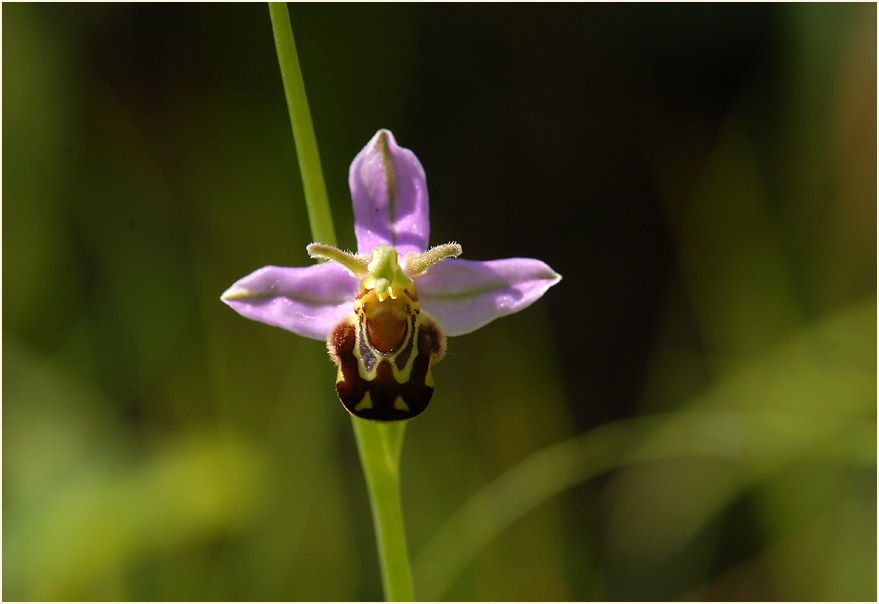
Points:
[(732, 422)]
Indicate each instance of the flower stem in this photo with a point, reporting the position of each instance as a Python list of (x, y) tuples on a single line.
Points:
[(319, 216), (379, 445)]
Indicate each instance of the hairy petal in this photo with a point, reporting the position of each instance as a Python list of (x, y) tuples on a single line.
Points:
[(389, 192), (308, 301), (464, 295)]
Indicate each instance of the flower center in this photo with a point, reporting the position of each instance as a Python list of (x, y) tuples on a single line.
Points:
[(385, 276), (387, 301)]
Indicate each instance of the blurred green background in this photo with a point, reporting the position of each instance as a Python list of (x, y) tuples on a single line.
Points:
[(690, 414)]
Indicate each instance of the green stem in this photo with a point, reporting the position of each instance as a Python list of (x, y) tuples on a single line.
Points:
[(379, 445), (319, 216)]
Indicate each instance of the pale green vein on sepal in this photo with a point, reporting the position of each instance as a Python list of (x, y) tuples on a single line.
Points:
[(242, 293), (491, 288), (248, 295), (389, 177)]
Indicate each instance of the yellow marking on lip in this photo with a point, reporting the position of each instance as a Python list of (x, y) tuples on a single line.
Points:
[(366, 403)]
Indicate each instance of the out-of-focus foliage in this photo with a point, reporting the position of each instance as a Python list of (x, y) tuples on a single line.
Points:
[(690, 414)]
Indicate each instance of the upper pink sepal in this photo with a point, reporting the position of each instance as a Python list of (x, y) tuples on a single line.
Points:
[(389, 194)]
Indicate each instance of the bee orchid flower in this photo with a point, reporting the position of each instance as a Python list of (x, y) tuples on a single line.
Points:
[(385, 311)]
